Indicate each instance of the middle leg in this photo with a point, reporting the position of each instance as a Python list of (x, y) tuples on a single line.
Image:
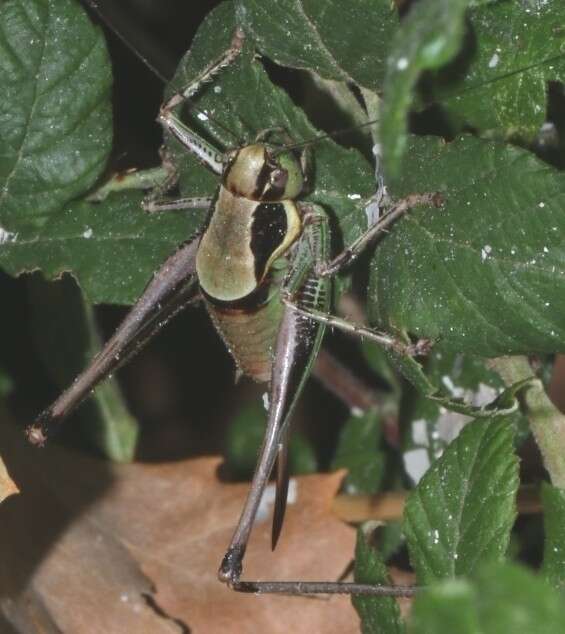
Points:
[(352, 252), (316, 222)]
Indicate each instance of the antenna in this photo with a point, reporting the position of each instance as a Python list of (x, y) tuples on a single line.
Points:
[(134, 39), (329, 135), (116, 21)]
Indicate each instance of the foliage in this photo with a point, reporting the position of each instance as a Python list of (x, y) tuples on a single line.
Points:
[(466, 95)]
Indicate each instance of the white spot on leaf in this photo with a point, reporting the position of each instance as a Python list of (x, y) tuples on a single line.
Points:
[(493, 62), (7, 236)]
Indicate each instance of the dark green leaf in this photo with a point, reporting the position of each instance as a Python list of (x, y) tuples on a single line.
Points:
[(6, 384), (244, 437), (112, 247), (428, 38), (483, 273), (499, 598), (461, 512), (55, 113), (517, 47), (345, 41), (446, 608), (431, 427), (380, 363), (391, 539), (379, 615), (554, 545), (358, 452)]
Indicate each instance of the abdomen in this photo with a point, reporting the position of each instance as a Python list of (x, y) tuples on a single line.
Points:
[(249, 333)]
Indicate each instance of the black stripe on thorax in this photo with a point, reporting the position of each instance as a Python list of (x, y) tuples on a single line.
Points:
[(262, 178), (268, 230)]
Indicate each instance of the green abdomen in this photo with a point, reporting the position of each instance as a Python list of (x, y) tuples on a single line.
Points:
[(249, 333)]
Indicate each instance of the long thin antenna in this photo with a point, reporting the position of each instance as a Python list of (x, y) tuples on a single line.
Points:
[(117, 24), (165, 76), (329, 135), (115, 20)]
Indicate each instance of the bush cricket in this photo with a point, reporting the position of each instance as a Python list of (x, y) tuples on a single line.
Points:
[(261, 266)]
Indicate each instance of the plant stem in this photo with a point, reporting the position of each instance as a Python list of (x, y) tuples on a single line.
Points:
[(546, 421), (341, 382), (389, 506)]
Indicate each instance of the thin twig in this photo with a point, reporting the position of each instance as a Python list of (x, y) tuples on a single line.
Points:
[(387, 507), (341, 382)]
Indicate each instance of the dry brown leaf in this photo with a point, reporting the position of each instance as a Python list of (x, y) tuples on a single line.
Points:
[(62, 571), (88, 542), (389, 505), (7, 485)]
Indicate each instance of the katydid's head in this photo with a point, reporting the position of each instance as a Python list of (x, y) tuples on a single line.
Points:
[(263, 172)]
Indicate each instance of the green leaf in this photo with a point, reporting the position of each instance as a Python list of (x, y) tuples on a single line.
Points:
[(379, 615), (445, 608), (431, 426), (500, 83), (380, 363), (345, 41), (243, 441), (483, 273), (554, 544), (358, 452), (428, 38), (55, 113), (463, 509), (112, 247), (498, 598)]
